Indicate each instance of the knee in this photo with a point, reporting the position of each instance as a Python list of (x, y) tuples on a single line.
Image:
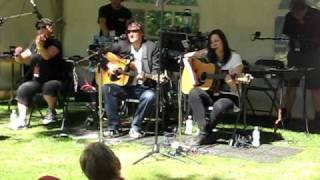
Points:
[(106, 90), (194, 93), (148, 95), (52, 88), (217, 107)]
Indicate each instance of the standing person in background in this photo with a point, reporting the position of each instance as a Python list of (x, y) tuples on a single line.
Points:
[(113, 18), (302, 26), (45, 57)]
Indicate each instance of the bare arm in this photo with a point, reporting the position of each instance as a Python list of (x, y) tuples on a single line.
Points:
[(237, 71), (197, 54), (102, 24), (22, 56), (45, 53)]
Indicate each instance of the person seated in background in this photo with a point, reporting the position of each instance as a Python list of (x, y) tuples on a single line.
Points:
[(146, 61), (228, 63), (112, 19), (45, 57), (98, 162)]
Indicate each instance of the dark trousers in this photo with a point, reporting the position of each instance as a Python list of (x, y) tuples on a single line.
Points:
[(27, 90), (200, 100), (113, 93)]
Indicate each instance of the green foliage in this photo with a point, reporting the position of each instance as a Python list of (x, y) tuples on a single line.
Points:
[(171, 2), (152, 18)]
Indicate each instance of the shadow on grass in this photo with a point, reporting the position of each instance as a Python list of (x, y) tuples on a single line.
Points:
[(73, 126), (56, 134), (227, 133), (2, 138)]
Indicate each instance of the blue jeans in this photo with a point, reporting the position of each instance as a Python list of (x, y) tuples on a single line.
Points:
[(113, 93)]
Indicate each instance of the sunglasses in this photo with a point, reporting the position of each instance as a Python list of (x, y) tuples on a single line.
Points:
[(41, 27), (133, 31)]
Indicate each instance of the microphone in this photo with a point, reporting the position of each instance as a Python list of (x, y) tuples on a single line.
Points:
[(255, 36), (35, 10)]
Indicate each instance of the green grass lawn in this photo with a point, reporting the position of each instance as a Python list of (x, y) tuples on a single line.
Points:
[(31, 153)]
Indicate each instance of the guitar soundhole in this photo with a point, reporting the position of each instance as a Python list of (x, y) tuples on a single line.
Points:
[(114, 77)]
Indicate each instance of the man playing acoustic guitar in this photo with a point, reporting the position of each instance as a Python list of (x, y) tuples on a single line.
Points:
[(146, 62), (224, 94)]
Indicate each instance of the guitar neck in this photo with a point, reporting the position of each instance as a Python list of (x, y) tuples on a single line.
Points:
[(204, 76)]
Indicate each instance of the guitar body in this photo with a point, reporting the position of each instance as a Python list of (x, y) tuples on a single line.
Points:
[(198, 68), (120, 79)]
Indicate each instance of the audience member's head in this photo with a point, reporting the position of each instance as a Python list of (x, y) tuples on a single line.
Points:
[(98, 162), (48, 178)]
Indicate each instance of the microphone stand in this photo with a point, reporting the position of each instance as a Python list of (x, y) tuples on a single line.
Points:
[(101, 139), (271, 38), (5, 18), (304, 108), (156, 146)]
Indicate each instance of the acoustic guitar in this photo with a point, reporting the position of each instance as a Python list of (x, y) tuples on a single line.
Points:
[(200, 74), (125, 70), (191, 75)]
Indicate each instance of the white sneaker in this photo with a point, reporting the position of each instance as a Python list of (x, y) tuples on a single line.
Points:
[(135, 134), (19, 124), (49, 118)]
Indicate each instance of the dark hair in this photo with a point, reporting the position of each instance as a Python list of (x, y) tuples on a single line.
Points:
[(98, 162), (43, 22), (297, 5), (130, 22), (212, 56)]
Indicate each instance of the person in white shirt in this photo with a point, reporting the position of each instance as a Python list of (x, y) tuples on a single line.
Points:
[(146, 61)]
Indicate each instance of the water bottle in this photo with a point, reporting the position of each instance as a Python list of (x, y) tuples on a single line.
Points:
[(13, 118), (256, 137), (188, 125)]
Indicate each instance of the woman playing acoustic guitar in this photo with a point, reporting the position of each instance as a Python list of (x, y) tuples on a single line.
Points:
[(224, 95)]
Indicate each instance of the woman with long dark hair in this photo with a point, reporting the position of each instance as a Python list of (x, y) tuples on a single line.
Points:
[(224, 95)]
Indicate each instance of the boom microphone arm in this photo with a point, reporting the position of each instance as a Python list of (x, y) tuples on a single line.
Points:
[(35, 9)]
